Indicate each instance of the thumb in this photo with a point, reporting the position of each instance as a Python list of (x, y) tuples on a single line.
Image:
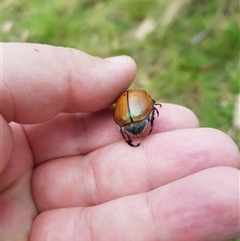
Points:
[(40, 81)]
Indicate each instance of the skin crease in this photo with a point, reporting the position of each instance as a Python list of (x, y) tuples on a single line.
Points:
[(66, 173)]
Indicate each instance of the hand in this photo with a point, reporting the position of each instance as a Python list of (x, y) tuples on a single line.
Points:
[(67, 174)]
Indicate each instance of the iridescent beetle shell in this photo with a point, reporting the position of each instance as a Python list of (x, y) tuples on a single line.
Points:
[(134, 111)]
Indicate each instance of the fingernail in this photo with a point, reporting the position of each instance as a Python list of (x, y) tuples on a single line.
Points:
[(118, 59)]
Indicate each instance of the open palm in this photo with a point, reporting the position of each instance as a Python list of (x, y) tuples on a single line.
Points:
[(68, 175)]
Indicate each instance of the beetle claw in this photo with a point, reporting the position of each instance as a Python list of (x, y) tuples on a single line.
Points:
[(155, 109), (133, 145)]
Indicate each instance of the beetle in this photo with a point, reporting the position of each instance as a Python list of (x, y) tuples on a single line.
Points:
[(134, 111)]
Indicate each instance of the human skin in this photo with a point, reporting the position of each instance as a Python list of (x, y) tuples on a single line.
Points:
[(67, 174)]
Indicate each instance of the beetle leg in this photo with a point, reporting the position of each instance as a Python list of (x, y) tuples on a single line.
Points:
[(133, 145), (153, 116), (155, 109), (128, 139), (151, 119)]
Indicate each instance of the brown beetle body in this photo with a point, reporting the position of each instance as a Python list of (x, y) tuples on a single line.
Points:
[(134, 110)]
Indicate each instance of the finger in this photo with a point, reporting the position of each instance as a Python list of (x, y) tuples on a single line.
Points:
[(6, 143), (81, 133), (40, 81), (20, 164), (198, 207), (17, 207), (119, 170)]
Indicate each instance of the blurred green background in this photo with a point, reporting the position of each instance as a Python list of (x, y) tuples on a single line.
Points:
[(187, 51)]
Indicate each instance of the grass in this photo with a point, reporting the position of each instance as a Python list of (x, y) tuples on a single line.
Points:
[(190, 55)]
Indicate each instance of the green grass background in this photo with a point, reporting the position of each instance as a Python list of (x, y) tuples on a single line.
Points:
[(174, 64)]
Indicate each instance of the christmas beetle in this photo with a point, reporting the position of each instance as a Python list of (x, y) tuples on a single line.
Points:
[(134, 113)]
